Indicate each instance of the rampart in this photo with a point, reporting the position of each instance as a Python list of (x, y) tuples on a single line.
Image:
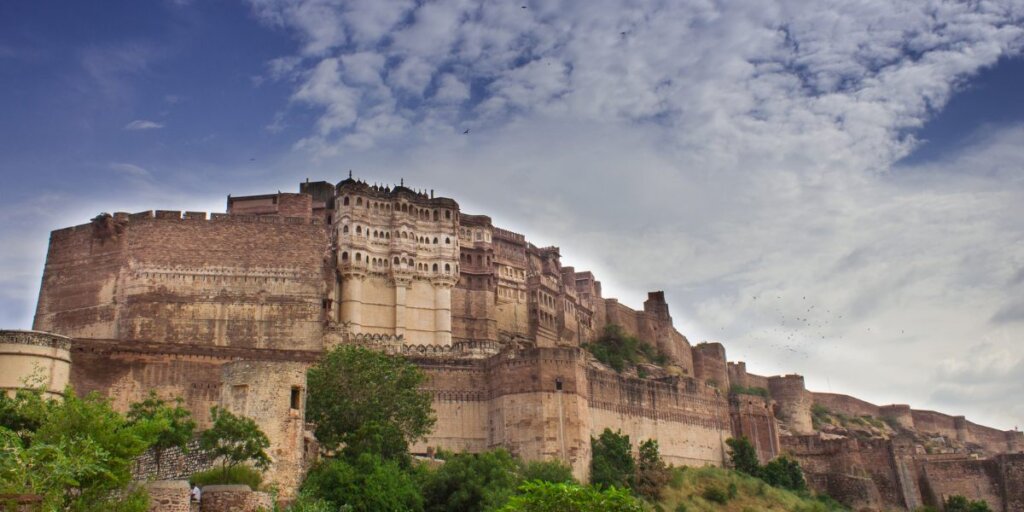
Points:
[(34, 359), (173, 278)]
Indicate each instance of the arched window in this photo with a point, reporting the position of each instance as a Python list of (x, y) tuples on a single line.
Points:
[(435, 267), (435, 215), (359, 230), (375, 233), (396, 260), (447, 241), (344, 229), (359, 257), (448, 214), (387, 236), (344, 256), (345, 201), (435, 239), (447, 268), (359, 201), (405, 235)]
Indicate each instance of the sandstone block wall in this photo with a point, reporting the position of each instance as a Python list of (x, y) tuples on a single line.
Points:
[(709, 365), (175, 463), (753, 418), (974, 479), (169, 496), (227, 281), (794, 402), (274, 395), (234, 498), (31, 358), (847, 405)]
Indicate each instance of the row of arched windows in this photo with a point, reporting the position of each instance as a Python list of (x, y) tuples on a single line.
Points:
[(397, 262), (421, 213), (480, 259), (398, 234)]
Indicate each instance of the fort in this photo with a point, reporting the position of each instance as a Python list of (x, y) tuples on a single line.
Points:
[(230, 309)]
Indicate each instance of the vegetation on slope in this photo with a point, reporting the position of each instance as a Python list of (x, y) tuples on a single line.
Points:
[(711, 489), (620, 351)]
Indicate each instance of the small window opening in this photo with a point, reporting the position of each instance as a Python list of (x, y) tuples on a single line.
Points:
[(296, 399)]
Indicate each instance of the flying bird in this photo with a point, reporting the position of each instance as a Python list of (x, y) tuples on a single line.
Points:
[(466, 132)]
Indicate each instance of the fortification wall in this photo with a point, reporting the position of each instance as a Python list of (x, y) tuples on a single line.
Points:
[(689, 420), (932, 422), (31, 358), (709, 365), (650, 327), (272, 393), (974, 479), (169, 496), (849, 471), (539, 407), (752, 417), (900, 413), (1012, 475), (847, 405), (794, 402), (475, 315), (461, 405), (228, 281)]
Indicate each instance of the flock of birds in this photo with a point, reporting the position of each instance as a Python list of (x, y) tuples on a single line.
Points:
[(798, 329)]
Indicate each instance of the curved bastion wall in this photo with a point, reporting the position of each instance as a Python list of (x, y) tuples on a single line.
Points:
[(31, 358)]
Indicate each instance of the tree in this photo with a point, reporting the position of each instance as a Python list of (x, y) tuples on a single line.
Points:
[(367, 483), (76, 452), (743, 456), (178, 422), (612, 463), (367, 399), (957, 503), (651, 472), (471, 482), (563, 497), (235, 439)]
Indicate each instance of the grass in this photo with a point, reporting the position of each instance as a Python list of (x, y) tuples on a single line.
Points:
[(712, 489)]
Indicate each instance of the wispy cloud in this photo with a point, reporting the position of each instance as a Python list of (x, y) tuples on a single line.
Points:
[(130, 169), (142, 124)]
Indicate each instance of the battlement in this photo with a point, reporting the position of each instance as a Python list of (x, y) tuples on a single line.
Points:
[(125, 218), (509, 236)]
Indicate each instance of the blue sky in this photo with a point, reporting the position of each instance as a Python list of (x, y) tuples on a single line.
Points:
[(751, 158)]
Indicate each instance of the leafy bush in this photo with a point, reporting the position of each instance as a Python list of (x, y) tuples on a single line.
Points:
[(472, 481), (614, 348), (306, 502), (365, 484), (785, 473), (177, 423), (552, 497), (238, 474), (553, 471), (959, 503), (743, 456), (651, 472), (715, 495), (611, 463)]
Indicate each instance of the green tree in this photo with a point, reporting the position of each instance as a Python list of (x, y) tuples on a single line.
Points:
[(652, 475), (235, 440), (368, 400), (367, 483), (612, 463), (472, 482), (785, 473), (554, 471), (76, 452), (563, 497), (743, 456), (177, 421), (959, 503)]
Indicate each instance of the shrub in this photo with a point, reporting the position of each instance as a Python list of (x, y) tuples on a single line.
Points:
[(612, 463), (551, 497), (785, 473), (238, 474), (614, 348), (365, 484), (959, 503), (743, 456), (743, 390), (554, 471), (472, 481), (651, 473), (235, 440), (716, 495)]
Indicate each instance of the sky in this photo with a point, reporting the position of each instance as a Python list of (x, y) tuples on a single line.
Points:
[(835, 191)]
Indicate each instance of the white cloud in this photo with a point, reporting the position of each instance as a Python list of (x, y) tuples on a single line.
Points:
[(720, 151), (142, 124)]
